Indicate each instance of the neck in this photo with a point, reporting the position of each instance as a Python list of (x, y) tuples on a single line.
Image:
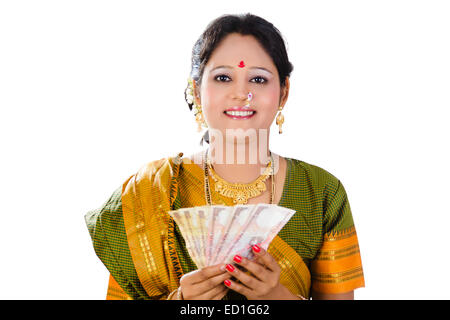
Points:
[(240, 161)]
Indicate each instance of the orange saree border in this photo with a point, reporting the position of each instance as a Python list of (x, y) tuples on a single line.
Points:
[(337, 267), (115, 291)]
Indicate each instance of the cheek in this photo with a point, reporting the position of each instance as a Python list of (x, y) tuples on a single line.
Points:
[(273, 95), (214, 98), (268, 99), (213, 101)]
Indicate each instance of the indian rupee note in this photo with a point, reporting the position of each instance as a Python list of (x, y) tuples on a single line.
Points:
[(267, 220), (221, 219), (201, 233)]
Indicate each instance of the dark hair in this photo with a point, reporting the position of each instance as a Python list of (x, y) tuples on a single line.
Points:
[(265, 32)]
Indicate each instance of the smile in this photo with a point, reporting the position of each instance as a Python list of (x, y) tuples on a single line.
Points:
[(240, 114)]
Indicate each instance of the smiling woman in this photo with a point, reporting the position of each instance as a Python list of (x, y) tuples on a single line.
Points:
[(239, 82), (262, 61), (224, 87)]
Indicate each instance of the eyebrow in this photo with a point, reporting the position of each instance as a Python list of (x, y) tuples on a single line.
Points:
[(230, 67)]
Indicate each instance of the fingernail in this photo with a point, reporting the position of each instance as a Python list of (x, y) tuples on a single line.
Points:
[(256, 248), (230, 267), (227, 283), (237, 258)]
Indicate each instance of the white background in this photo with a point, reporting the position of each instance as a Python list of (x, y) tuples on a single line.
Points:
[(92, 90)]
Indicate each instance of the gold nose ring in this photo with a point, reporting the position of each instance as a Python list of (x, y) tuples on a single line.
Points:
[(249, 97)]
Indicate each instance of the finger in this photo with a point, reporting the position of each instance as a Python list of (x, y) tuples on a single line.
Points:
[(207, 285), (249, 281), (213, 292), (266, 258), (205, 273), (233, 285), (254, 266)]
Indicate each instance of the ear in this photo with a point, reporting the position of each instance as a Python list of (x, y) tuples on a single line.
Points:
[(196, 92), (284, 92)]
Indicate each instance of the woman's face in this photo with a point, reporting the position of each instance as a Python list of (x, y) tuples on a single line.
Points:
[(226, 83)]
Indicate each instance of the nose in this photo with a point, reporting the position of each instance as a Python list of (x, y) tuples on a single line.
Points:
[(240, 93)]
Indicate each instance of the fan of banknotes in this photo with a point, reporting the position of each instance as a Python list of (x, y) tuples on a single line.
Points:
[(215, 234)]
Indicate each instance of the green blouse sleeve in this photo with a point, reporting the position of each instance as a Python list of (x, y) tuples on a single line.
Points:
[(107, 230), (337, 266), (337, 211)]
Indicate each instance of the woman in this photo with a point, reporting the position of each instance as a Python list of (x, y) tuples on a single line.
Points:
[(239, 81)]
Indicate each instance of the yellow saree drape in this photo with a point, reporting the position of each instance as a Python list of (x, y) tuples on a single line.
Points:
[(147, 196)]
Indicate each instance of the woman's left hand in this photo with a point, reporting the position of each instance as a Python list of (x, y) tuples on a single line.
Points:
[(264, 283)]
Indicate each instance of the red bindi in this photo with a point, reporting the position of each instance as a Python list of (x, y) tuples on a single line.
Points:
[(241, 64)]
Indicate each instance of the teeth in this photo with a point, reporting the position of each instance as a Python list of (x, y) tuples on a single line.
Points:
[(239, 113)]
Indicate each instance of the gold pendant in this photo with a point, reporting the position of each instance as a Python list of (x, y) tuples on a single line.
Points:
[(240, 192)]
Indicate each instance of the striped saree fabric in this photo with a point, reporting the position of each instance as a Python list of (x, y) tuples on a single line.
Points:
[(144, 251)]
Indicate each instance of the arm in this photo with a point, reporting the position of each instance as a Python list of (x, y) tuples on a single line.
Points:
[(336, 270)]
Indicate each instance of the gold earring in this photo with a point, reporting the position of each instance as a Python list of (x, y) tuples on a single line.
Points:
[(198, 112), (199, 117), (280, 120)]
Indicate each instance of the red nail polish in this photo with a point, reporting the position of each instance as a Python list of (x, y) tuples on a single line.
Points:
[(256, 248), (230, 267), (237, 258), (227, 283)]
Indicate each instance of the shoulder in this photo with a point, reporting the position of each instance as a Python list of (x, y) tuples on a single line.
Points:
[(325, 188), (110, 212), (314, 176), (155, 176), (157, 167)]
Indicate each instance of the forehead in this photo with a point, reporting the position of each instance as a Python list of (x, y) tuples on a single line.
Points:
[(235, 48)]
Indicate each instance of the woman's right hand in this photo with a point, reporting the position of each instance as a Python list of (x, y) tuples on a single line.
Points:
[(205, 283)]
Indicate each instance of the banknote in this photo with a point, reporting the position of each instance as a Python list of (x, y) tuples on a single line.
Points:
[(232, 228), (245, 215), (184, 220), (217, 216), (215, 234), (222, 222), (254, 233), (279, 217), (200, 226), (179, 219)]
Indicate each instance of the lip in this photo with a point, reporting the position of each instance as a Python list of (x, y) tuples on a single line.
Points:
[(240, 109)]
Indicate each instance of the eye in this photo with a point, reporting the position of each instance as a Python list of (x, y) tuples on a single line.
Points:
[(261, 80), (221, 77)]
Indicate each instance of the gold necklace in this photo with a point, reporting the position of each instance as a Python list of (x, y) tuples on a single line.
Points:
[(238, 191)]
